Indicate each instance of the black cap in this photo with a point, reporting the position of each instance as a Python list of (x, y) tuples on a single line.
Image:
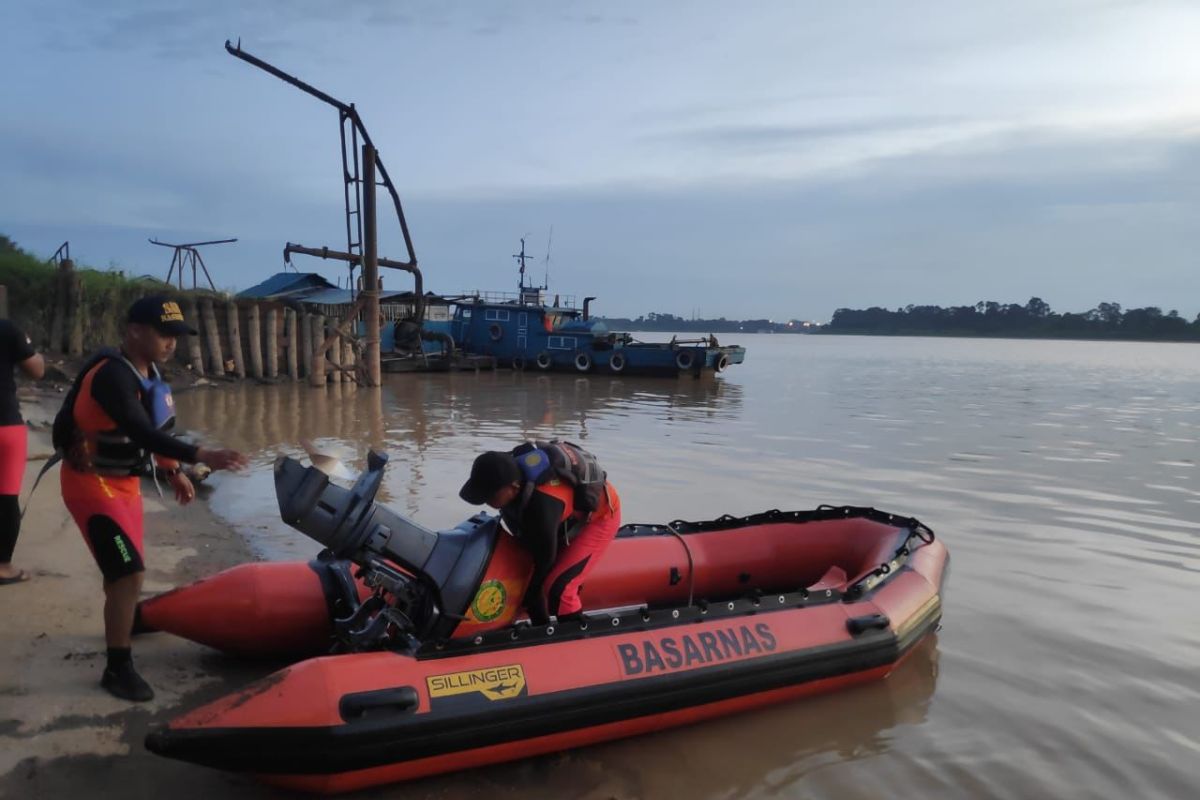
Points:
[(490, 473), (161, 313)]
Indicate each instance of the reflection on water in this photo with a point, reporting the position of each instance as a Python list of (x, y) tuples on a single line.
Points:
[(777, 752), (431, 426), (1062, 474)]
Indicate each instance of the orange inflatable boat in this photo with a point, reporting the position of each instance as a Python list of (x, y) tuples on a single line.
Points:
[(426, 672)]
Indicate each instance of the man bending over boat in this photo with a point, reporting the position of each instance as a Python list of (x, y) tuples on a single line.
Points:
[(557, 501), (118, 412)]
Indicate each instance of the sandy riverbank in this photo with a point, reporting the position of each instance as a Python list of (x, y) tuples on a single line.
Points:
[(60, 734)]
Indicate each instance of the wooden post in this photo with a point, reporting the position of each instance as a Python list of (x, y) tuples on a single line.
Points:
[(74, 312), (235, 339), (289, 331), (375, 422), (195, 353), (348, 359), (306, 344), (370, 274), (212, 337), (316, 375), (272, 343), (335, 357), (58, 320), (3, 301), (255, 336)]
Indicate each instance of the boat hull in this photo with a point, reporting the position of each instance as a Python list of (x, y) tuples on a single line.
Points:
[(346, 722)]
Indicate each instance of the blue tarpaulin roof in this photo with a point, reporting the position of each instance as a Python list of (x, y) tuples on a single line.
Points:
[(337, 297), (287, 283)]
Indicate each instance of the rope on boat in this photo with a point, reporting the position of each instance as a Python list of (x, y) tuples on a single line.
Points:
[(691, 568)]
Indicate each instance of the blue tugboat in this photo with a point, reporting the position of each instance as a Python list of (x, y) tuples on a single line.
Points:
[(523, 331)]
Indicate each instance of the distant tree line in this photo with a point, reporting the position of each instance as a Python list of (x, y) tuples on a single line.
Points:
[(1034, 319), (655, 321)]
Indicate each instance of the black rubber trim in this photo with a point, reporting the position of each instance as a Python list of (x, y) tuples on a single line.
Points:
[(372, 743), (820, 513)]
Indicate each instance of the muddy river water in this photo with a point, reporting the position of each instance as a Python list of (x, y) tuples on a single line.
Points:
[(1061, 475)]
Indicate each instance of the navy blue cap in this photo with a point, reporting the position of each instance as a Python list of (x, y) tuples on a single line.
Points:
[(490, 473), (162, 314)]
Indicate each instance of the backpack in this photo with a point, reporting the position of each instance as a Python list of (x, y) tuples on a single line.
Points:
[(541, 462)]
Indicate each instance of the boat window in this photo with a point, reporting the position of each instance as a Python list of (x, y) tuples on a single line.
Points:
[(496, 315), (561, 342)]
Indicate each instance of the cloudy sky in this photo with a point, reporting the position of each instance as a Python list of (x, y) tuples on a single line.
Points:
[(776, 158)]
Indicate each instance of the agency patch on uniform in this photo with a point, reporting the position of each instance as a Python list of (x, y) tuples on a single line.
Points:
[(489, 601), (493, 683)]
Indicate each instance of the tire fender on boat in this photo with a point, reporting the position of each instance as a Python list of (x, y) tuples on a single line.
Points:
[(722, 363), (617, 362), (495, 331), (543, 360), (583, 362), (685, 359), (518, 363)]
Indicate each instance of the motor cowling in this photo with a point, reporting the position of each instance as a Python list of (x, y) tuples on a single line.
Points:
[(449, 564)]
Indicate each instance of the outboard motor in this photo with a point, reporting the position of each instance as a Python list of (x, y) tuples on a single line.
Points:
[(424, 580)]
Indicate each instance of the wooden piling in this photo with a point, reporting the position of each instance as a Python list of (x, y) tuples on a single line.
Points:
[(212, 337), (272, 343), (316, 376), (58, 319), (235, 339), (254, 334), (370, 273), (335, 359), (195, 352), (74, 313), (306, 345), (289, 331), (348, 360)]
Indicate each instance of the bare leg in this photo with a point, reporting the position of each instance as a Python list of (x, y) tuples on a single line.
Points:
[(120, 602), (120, 605)]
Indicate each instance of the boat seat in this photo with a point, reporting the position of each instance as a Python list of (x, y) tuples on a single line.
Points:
[(834, 578)]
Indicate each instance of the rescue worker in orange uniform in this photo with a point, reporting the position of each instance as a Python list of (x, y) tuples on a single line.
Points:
[(118, 413), (558, 503)]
